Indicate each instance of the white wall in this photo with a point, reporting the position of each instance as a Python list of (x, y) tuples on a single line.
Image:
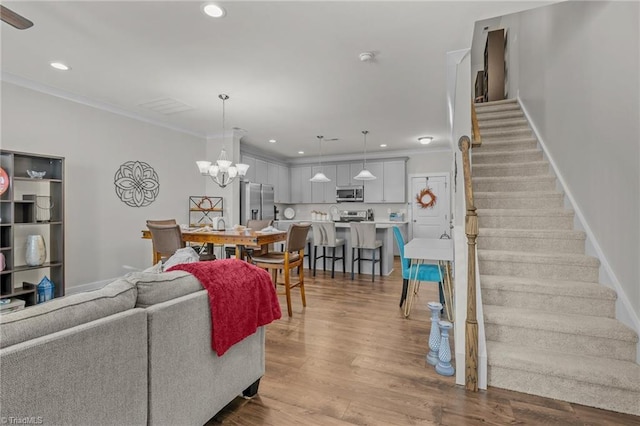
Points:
[(578, 79), (102, 233)]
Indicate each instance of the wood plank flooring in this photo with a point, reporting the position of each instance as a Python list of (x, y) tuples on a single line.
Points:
[(351, 358)]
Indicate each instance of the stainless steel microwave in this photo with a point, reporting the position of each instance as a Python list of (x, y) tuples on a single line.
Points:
[(349, 193)]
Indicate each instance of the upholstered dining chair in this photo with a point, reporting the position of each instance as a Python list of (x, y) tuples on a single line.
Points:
[(166, 239), (363, 237), (324, 235), (424, 272), (291, 258)]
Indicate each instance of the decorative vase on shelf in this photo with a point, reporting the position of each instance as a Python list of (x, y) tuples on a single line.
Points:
[(36, 250)]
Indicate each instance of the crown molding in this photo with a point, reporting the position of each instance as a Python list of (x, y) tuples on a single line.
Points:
[(384, 155), (83, 100)]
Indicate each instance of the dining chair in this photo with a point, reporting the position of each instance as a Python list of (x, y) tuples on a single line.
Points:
[(324, 235), (166, 239), (363, 237), (424, 272), (291, 257)]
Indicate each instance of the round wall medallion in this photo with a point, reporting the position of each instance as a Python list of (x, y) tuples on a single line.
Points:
[(137, 184)]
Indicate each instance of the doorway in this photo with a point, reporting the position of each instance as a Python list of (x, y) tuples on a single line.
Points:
[(430, 205)]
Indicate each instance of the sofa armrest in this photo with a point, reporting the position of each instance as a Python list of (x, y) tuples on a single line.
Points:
[(91, 374), (188, 382)]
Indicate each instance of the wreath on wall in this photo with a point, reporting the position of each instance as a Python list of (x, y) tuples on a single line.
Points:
[(426, 198)]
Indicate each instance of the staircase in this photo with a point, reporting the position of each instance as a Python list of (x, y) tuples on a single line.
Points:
[(550, 326)]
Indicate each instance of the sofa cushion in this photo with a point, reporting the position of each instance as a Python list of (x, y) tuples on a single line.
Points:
[(159, 287), (66, 312)]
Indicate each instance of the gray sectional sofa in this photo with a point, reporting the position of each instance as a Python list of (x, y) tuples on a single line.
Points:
[(138, 351)]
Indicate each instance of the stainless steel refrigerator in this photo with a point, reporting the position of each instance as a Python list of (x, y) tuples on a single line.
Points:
[(256, 202)]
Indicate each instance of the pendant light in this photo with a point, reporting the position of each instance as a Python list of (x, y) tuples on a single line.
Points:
[(222, 172), (320, 177), (364, 173)]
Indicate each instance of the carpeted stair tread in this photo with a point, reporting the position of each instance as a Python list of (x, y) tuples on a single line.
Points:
[(490, 116), (612, 373), (516, 194), (531, 168), (526, 212), (503, 123), (505, 145), (532, 233), (584, 325), (514, 183), (548, 286), (539, 258), (502, 133), (498, 157)]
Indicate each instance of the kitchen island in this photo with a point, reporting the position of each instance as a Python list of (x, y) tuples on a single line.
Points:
[(384, 233)]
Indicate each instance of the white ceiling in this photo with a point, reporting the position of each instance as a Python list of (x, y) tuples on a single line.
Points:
[(291, 68)]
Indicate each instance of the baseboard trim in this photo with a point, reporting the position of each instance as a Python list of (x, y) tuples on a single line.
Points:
[(624, 310)]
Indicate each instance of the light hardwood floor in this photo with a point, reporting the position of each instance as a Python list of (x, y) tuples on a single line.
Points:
[(350, 358)]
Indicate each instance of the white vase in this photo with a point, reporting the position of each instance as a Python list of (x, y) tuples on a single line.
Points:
[(36, 251)]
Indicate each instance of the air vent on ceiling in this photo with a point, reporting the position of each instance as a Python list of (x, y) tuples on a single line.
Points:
[(166, 106)]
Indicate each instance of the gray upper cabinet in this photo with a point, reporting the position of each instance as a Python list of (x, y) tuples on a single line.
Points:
[(374, 189), (300, 184), (345, 173), (324, 192), (395, 180), (262, 171), (283, 187), (251, 173), (390, 185)]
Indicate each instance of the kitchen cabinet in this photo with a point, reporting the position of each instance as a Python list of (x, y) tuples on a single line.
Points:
[(272, 174), (283, 186), (300, 184), (324, 192), (374, 189), (345, 173), (394, 182), (251, 173), (262, 171), (31, 206), (390, 185)]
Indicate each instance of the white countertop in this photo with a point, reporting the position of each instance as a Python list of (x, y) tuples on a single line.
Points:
[(380, 224)]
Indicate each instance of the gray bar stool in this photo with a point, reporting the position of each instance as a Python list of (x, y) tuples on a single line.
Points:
[(324, 235), (363, 237)]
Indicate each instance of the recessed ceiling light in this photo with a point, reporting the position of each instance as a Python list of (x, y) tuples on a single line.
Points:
[(300, 152), (60, 66), (272, 140), (425, 140), (214, 10), (383, 145)]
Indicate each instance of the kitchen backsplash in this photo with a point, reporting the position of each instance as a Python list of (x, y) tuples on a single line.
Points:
[(381, 212)]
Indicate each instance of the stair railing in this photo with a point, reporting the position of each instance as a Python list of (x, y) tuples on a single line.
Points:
[(471, 230), (477, 139)]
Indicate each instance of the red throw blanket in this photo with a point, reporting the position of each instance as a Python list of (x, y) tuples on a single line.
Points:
[(241, 298)]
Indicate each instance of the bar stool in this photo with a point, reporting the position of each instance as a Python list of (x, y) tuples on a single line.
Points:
[(324, 235), (363, 237)]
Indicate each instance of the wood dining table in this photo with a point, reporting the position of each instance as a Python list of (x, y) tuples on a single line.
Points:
[(240, 239)]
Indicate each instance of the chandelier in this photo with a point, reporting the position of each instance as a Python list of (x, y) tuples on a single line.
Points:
[(364, 173), (222, 172)]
